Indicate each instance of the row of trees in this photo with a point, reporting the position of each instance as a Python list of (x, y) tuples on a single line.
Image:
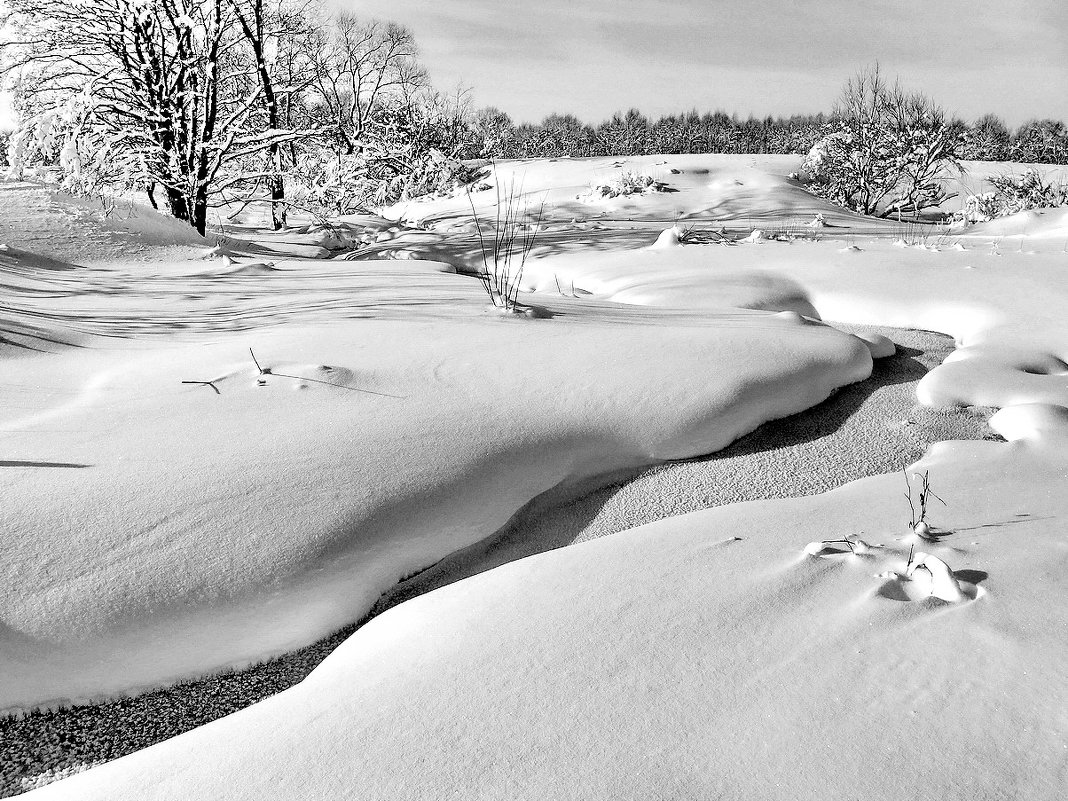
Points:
[(493, 134), (216, 102)]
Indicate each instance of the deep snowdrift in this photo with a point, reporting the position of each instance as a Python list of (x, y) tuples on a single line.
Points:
[(702, 656), (45, 220), (156, 529)]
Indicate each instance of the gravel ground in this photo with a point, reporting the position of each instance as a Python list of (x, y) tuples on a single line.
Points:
[(866, 429)]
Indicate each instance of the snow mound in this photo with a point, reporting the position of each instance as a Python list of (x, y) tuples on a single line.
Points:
[(1031, 421), (40, 218), (586, 655), (936, 579), (188, 560), (997, 375), (668, 238), (881, 347), (1037, 223)]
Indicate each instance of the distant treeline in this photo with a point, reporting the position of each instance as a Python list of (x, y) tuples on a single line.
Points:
[(493, 135)]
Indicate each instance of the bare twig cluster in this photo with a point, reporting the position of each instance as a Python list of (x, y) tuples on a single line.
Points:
[(918, 505), (261, 380), (505, 249)]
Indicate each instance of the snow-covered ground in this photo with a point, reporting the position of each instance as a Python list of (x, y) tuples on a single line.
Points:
[(155, 529)]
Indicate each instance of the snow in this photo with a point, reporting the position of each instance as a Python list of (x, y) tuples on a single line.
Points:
[(260, 518), (937, 579), (691, 658), (713, 654), (196, 526), (41, 219), (741, 189)]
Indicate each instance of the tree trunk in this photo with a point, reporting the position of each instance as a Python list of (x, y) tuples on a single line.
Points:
[(252, 27), (278, 189), (176, 202), (200, 211)]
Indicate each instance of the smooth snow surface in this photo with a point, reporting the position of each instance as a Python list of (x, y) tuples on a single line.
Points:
[(703, 656), (192, 526), (156, 529), (47, 221)]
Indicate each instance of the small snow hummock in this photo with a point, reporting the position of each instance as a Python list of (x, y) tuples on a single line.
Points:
[(669, 238), (881, 347), (943, 584)]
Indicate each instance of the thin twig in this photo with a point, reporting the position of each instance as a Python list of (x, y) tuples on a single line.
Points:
[(257, 361), (908, 496), (205, 384)]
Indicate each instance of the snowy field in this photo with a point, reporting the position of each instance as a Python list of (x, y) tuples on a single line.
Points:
[(218, 451)]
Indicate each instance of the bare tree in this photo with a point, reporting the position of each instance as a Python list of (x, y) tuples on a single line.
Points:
[(359, 66), (251, 17), (388, 133)]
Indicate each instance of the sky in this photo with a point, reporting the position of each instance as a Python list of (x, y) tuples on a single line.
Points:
[(593, 57)]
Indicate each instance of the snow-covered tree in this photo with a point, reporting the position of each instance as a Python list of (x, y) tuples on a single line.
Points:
[(386, 134), (492, 134), (139, 93), (564, 135), (987, 139), (887, 151), (1041, 141), (624, 134)]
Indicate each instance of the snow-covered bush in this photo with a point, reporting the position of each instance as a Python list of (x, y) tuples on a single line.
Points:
[(1013, 194), (885, 154), (1029, 190), (979, 208), (628, 182), (403, 148), (332, 183)]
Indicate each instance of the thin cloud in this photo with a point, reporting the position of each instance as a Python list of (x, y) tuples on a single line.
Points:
[(771, 57)]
